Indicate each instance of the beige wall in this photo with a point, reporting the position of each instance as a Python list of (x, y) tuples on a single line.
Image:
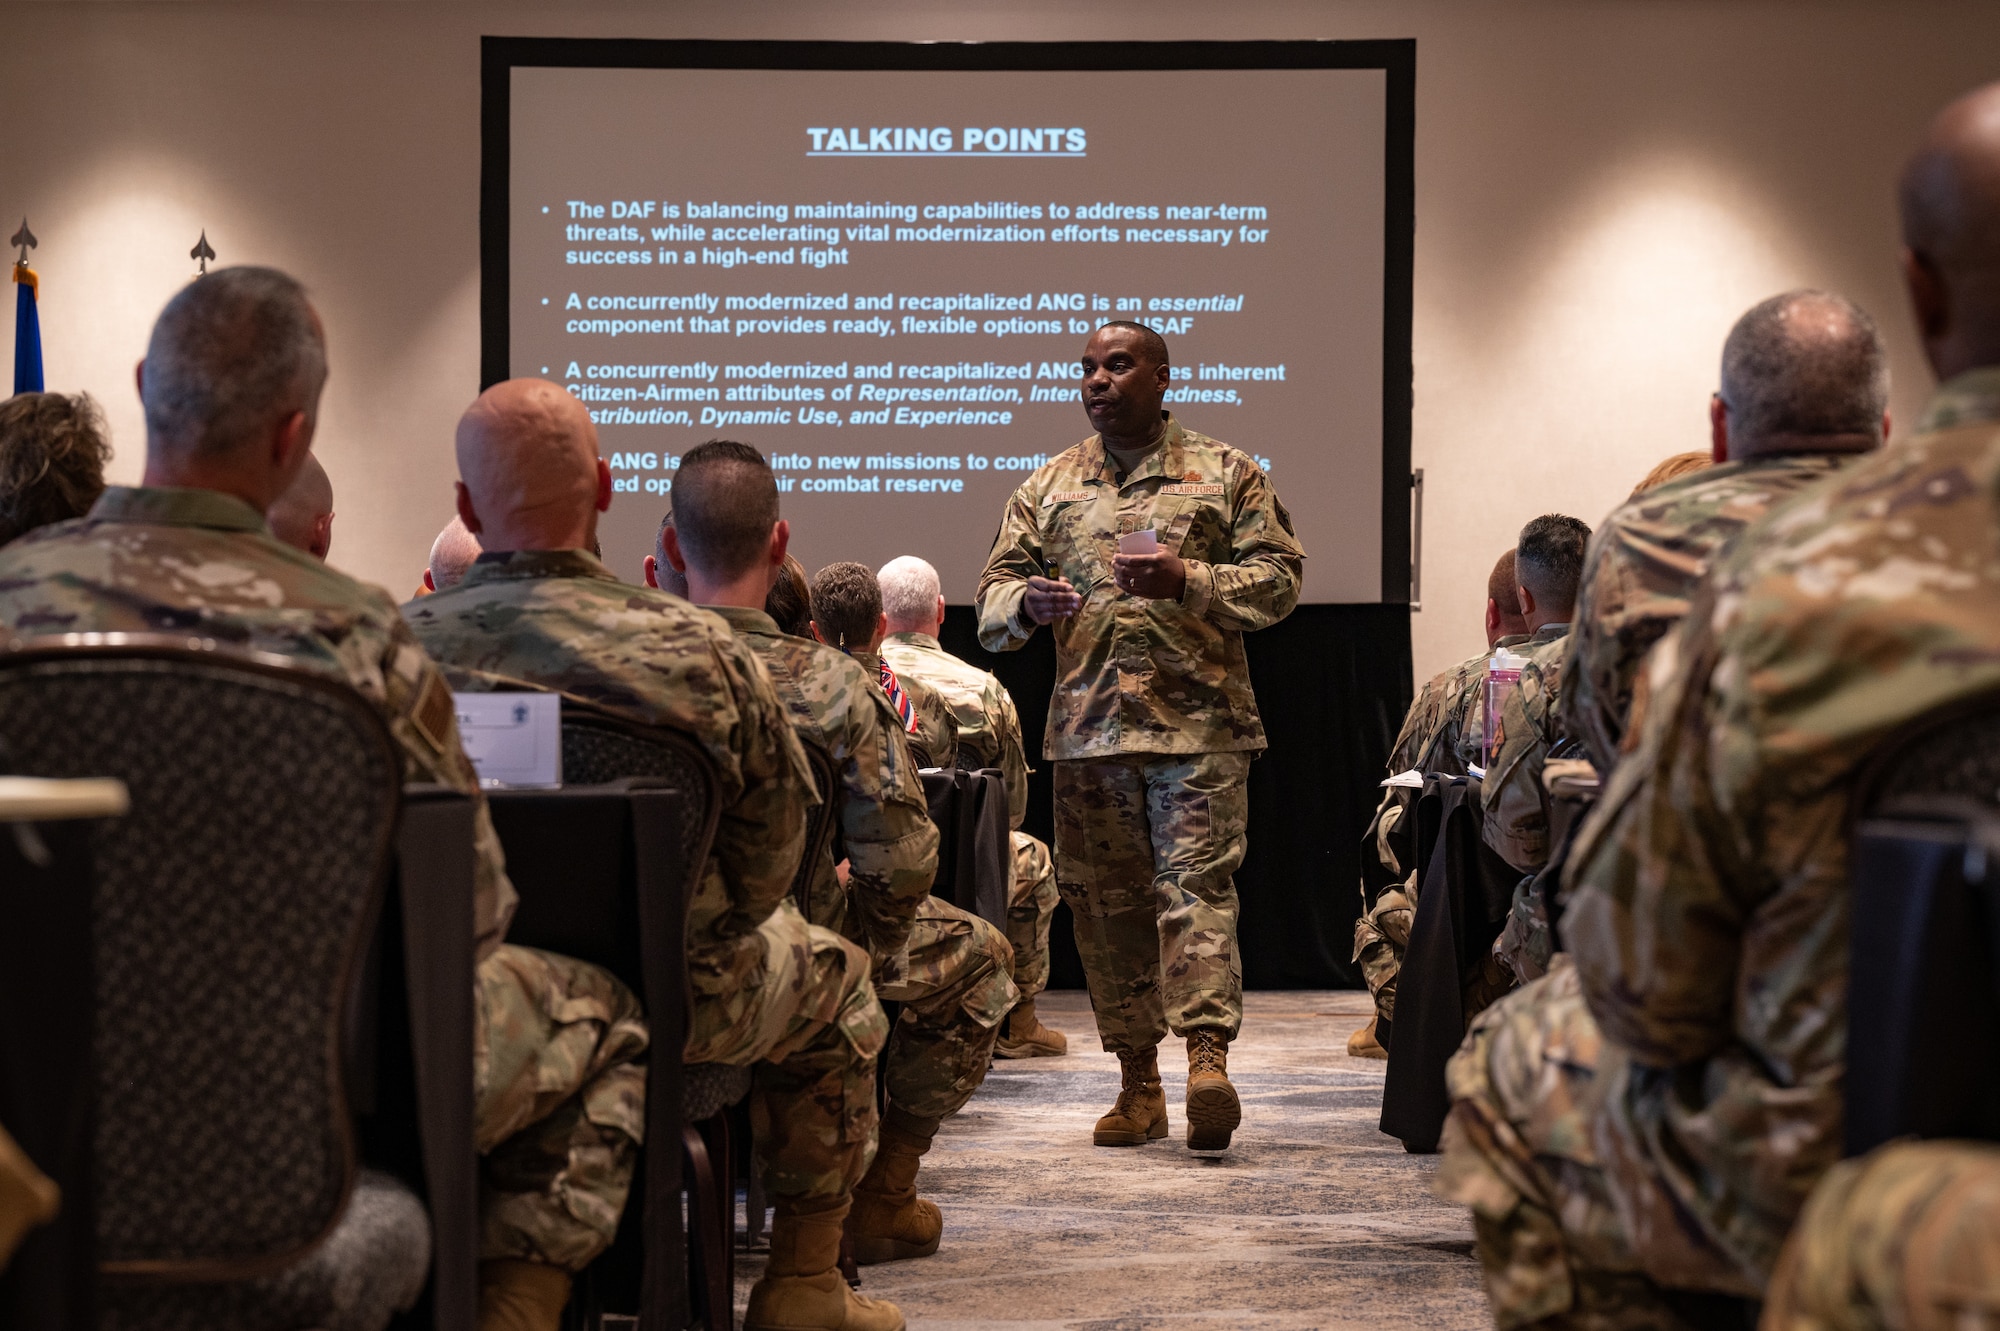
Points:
[(1601, 188)]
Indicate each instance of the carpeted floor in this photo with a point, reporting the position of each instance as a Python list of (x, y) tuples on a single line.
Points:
[(1312, 1219)]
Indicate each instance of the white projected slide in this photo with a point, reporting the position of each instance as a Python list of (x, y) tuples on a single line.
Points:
[(883, 278)]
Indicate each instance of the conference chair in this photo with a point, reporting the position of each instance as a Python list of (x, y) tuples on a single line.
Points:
[(605, 869), (232, 920), (975, 850), (1923, 1007)]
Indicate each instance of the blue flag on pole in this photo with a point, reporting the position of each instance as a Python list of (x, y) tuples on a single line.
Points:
[(27, 331)]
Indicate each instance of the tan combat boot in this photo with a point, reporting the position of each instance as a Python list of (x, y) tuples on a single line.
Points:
[(889, 1221), (1363, 1044), (521, 1296), (1212, 1108), (1140, 1116), (1024, 1036), (802, 1288)]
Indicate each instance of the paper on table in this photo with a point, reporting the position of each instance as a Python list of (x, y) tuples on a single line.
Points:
[(1412, 778), (1145, 542)]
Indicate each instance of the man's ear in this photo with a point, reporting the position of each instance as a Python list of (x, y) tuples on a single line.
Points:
[(1928, 297), (652, 572), (940, 610), (1492, 620), (290, 443), (881, 627), (781, 542), (1888, 423), (322, 545), (430, 583), (466, 513), (603, 485), (1528, 602), (674, 555), (1718, 429)]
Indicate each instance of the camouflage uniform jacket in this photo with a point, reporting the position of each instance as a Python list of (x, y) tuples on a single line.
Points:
[(1135, 675), (932, 726), (202, 563), (1708, 912), (1517, 807), (989, 729), (885, 827), (560, 620), (1440, 731), (1642, 564)]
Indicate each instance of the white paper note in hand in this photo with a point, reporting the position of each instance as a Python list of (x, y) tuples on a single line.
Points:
[(1145, 542)]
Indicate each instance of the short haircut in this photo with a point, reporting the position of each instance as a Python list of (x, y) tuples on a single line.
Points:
[(53, 450), (790, 602), (1801, 364), (725, 505), (232, 354), (1500, 586), (1672, 469), (846, 604), (1548, 561), (1149, 338), (910, 590)]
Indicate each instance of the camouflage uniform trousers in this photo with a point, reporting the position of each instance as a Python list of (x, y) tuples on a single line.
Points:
[(1145, 848), (1526, 1087), (812, 1029), (1031, 905), (1908, 1236), (956, 990), (559, 1106), (1381, 935)]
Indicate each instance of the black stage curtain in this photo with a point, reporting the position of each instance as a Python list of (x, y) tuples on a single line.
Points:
[(1333, 683)]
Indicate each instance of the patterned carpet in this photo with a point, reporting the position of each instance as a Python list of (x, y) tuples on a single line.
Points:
[(1312, 1219)]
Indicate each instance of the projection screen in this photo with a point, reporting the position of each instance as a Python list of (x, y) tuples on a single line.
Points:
[(878, 263)]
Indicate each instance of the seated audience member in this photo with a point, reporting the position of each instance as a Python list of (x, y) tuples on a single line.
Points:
[(302, 517), (231, 385), (1672, 469), (53, 450), (1805, 390), (452, 553), (769, 989), (1908, 1237), (1435, 738), (847, 615), (659, 573), (989, 735), (1648, 1120), (948, 969), (1547, 566), (790, 603)]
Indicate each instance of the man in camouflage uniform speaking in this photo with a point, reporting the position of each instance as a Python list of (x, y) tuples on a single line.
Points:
[(989, 735), (1153, 726), (946, 967), (770, 991), (1784, 359), (1651, 1119), (231, 385)]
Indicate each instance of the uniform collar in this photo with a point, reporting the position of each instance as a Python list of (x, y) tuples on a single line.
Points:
[(1549, 633), (1972, 398), (1162, 461), (177, 506), (922, 642), (1511, 640), (744, 619), (869, 661), (521, 565)]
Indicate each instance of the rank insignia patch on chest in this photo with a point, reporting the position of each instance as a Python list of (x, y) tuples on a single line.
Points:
[(1064, 497), (1211, 488)]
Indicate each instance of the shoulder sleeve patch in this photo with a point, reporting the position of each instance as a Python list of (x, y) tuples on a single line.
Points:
[(433, 713)]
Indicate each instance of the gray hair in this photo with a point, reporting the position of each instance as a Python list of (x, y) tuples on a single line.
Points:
[(1802, 364), (453, 553), (233, 353), (910, 590)]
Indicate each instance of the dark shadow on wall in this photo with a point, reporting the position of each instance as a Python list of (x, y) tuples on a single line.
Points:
[(1332, 682)]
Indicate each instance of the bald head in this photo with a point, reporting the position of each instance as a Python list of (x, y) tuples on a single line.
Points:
[(1950, 203), (303, 515), (1804, 372), (529, 474), (453, 552)]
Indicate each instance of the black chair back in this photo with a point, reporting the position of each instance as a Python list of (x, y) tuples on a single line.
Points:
[(1923, 1001), (975, 851), (232, 909)]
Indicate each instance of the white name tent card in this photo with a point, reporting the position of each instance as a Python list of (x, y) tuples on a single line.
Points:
[(513, 739)]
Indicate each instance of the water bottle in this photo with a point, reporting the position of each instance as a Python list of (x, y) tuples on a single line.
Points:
[(1503, 673)]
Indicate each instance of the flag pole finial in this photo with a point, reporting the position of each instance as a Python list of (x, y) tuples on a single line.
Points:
[(24, 240), (202, 252)]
